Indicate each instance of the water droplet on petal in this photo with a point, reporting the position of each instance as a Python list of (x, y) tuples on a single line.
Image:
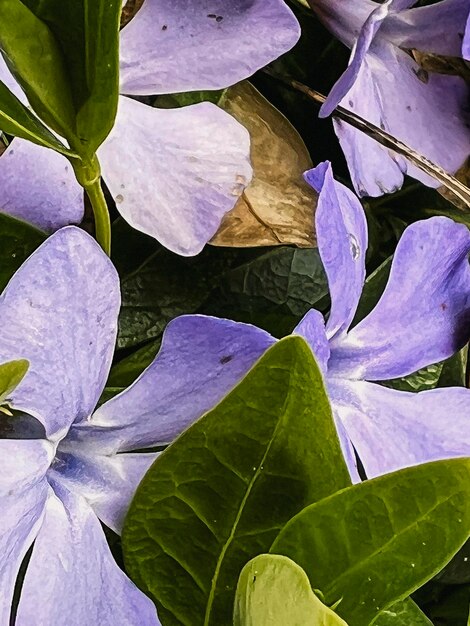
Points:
[(119, 198), (354, 246)]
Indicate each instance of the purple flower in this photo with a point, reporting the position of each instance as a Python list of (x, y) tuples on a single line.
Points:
[(60, 312), (422, 317), (466, 41), (172, 173), (384, 85)]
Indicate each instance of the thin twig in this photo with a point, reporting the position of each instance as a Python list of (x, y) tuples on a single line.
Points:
[(460, 190)]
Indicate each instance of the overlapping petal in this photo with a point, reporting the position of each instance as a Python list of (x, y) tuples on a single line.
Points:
[(394, 429), (23, 494), (423, 315), (189, 45), (175, 173), (342, 241), (200, 361), (361, 47), (107, 482), (437, 28), (466, 41), (83, 584), (344, 18), (59, 311), (7, 79), (312, 328), (39, 186), (392, 92)]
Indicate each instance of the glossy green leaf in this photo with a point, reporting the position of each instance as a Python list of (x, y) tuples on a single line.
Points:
[(17, 120), (126, 371), (18, 240), (372, 290), (34, 57), (11, 374), (274, 591), (219, 495), (375, 543), (88, 32), (403, 613)]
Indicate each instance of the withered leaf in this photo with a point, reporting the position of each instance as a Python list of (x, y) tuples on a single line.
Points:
[(278, 206)]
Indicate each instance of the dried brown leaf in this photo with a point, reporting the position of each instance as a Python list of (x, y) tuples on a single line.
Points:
[(278, 206)]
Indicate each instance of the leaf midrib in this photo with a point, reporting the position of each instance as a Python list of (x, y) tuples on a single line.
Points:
[(210, 600)]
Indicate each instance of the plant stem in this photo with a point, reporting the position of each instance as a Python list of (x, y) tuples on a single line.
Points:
[(101, 213)]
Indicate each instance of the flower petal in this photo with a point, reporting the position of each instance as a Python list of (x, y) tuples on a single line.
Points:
[(394, 429), (175, 173), (361, 47), (59, 311), (342, 241), (72, 577), (23, 494), (428, 112), (436, 28), (344, 18), (423, 315), (200, 361), (466, 41), (108, 483), (312, 328), (191, 45), (38, 185)]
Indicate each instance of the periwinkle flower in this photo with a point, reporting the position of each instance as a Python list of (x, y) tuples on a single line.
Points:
[(385, 85), (172, 173), (60, 312), (422, 318)]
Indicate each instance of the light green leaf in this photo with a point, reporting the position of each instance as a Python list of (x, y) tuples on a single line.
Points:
[(88, 32), (274, 591), (17, 120), (375, 543), (403, 613), (11, 374), (219, 495), (34, 57)]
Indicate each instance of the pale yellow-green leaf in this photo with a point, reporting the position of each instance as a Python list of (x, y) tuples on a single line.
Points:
[(274, 591)]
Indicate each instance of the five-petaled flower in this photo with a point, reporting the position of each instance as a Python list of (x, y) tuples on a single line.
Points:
[(172, 173), (422, 318), (385, 85), (60, 312)]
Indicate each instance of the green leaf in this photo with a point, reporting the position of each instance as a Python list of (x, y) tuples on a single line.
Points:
[(274, 591), (11, 374), (88, 32), (375, 543), (403, 613), (372, 290), (126, 371), (17, 120), (273, 290), (34, 57), (454, 369), (18, 240), (176, 100), (219, 495)]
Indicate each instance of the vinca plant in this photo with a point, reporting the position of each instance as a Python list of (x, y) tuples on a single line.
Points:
[(235, 313)]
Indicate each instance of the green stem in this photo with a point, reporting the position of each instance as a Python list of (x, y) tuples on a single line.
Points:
[(101, 213)]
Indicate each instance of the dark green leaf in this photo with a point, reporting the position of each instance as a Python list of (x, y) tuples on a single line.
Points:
[(17, 120), (34, 57), (127, 370), (375, 543), (220, 494), (372, 291), (176, 100), (274, 591), (11, 374), (453, 370), (272, 291), (17, 241), (88, 32)]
